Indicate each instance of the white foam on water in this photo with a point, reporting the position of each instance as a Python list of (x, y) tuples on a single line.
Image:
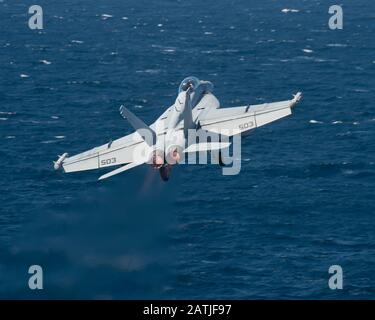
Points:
[(106, 16), (307, 50), (286, 10), (22, 75), (337, 45), (60, 137), (77, 41), (124, 18), (45, 62), (349, 172), (54, 117), (336, 122), (7, 112), (3, 119), (208, 33), (149, 71), (10, 137), (315, 121)]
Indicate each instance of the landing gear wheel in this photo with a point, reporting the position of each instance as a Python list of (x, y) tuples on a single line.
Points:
[(165, 172)]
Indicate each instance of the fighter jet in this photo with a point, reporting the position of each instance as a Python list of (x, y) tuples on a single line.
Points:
[(165, 142)]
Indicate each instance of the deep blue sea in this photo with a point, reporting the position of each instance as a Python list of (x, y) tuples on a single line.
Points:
[(303, 201)]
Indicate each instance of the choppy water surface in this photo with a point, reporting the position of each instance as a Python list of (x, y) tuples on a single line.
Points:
[(304, 199)]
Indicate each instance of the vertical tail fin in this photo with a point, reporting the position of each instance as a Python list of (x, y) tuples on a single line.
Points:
[(187, 114), (138, 125)]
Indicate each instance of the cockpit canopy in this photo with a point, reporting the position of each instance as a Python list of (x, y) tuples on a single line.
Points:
[(188, 82)]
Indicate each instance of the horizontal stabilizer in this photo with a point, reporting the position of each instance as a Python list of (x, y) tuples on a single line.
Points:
[(119, 170), (207, 146)]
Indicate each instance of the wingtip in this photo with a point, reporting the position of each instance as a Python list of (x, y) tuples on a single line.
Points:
[(296, 98), (59, 162)]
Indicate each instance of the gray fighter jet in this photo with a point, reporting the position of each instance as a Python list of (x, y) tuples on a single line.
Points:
[(166, 141)]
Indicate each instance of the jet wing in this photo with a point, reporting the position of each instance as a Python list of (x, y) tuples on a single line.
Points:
[(118, 152), (231, 121), (129, 149)]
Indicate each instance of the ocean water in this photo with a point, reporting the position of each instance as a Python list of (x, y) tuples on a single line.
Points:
[(303, 201)]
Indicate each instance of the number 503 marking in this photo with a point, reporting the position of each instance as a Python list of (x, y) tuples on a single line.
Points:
[(106, 162), (246, 125)]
